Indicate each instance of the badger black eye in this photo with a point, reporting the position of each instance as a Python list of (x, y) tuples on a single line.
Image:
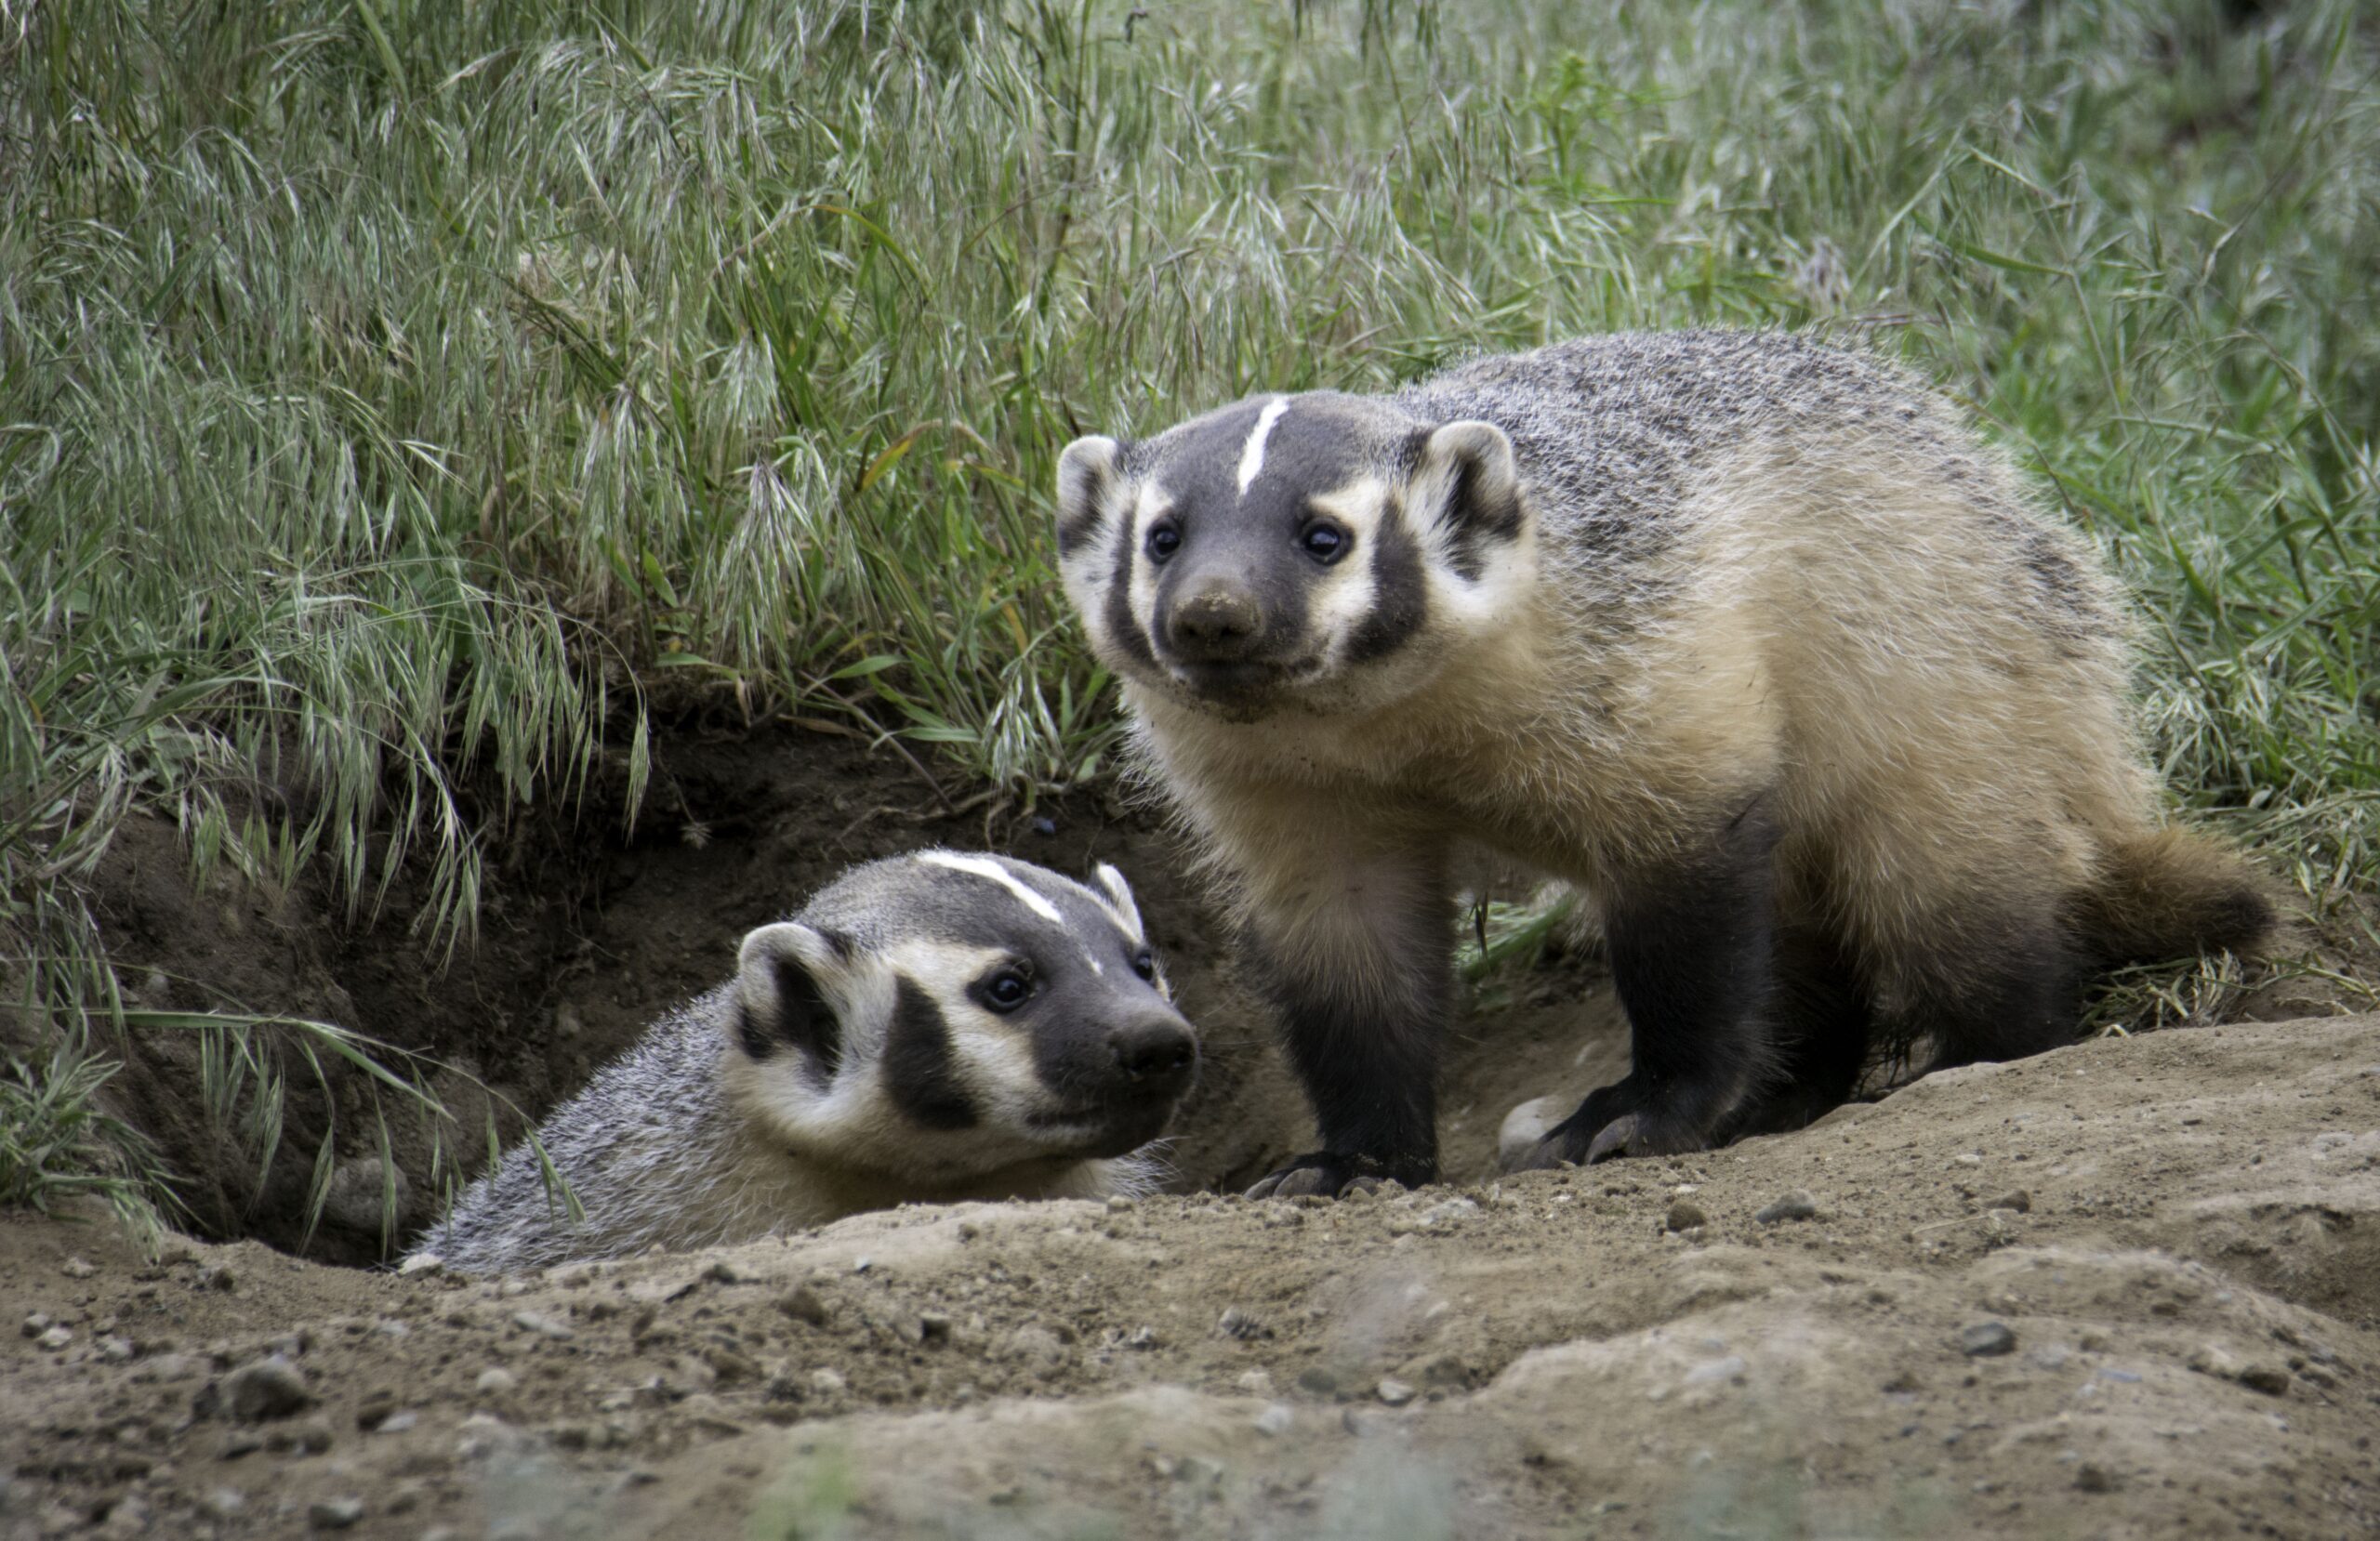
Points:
[(1164, 539), (1144, 964), (1324, 541), (1006, 990)]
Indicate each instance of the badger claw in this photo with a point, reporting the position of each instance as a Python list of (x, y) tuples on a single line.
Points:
[(1325, 1173), (1583, 1141)]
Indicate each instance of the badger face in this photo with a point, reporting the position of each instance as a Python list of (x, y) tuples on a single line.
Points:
[(944, 1017), (1315, 552)]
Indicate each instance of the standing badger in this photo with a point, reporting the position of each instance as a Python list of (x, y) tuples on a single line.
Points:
[(1748, 637), (934, 1026)]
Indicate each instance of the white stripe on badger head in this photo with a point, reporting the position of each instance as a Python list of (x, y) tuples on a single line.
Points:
[(1251, 457), (979, 867)]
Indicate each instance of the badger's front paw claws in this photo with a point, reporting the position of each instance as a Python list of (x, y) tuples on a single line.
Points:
[(1579, 1143), (1326, 1173)]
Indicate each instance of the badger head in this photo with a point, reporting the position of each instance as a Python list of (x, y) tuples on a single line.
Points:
[(1316, 552), (940, 1018)]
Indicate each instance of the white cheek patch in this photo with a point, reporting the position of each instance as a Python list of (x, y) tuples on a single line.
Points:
[(1343, 596), (1151, 505), (1251, 454), (993, 872), (1088, 570), (1507, 568)]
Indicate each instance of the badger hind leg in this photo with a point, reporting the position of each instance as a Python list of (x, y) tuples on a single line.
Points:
[(1693, 956)]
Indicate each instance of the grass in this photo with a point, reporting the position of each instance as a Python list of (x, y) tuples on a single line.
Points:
[(395, 393)]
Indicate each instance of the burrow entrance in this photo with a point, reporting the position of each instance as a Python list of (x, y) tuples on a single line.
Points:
[(587, 932)]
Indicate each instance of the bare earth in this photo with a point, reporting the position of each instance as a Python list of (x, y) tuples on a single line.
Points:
[(2129, 1288)]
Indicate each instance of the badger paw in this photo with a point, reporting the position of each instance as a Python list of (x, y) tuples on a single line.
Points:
[(1594, 1134), (1330, 1174)]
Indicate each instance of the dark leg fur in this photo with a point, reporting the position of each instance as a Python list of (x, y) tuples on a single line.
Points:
[(2012, 989), (1692, 952), (1371, 1070), (1823, 1026)]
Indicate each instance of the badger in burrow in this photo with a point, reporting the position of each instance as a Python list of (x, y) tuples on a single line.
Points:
[(934, 1026), (1748, 637)]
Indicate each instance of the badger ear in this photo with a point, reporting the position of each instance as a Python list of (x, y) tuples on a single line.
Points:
[(1467, 483), (1087, 474), (1120, 899), (789, 977)]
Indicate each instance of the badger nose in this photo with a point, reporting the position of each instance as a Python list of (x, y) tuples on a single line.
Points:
[(1217, 623), (1154, 1055)]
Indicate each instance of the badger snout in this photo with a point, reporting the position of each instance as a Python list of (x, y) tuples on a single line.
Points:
[(1153, 1057), (1218, 621)]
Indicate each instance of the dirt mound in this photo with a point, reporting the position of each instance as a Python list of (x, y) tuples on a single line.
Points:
[(2132, 1288)]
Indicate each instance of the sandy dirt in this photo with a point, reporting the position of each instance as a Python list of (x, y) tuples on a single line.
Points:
[(2128, 1288)]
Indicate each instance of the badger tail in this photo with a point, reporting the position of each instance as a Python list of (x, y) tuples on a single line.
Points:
[(2169, 893)]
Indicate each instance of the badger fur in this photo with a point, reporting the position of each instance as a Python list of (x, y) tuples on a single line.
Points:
[(939, 1025), (1749, 637)]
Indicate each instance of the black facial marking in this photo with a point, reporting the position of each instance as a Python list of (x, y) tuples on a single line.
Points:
[(919, 1074), (804, 1019), (1400, 598), (1123, 631)]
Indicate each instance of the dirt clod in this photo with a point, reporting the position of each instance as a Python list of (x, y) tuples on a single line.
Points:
[(1987, 1339), (268, 1388), (1797, 1204), (1685, 1215)]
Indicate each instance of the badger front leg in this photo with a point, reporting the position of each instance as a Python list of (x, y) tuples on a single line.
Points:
[(1692, 946), (1354, 951)]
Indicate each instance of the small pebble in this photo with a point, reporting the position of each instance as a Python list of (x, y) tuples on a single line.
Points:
[(1987, 1339), (1685, 1215), (1794, 1206), (35, 1325), (77, 1269), (1119, 1205), (269, 1388), (335, 1513), (421, 1263), (495, 1381), (2091, 1477), (2271, 1380), (56, 1338), (397, 1423), (1393, 1391), (543, 1325), (1276, 1419), (2017, 1200), (803, 1303), (223, 1503)]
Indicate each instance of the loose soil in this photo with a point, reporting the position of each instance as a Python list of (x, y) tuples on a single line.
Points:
[(2132, 1288), (2128, 1288)]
